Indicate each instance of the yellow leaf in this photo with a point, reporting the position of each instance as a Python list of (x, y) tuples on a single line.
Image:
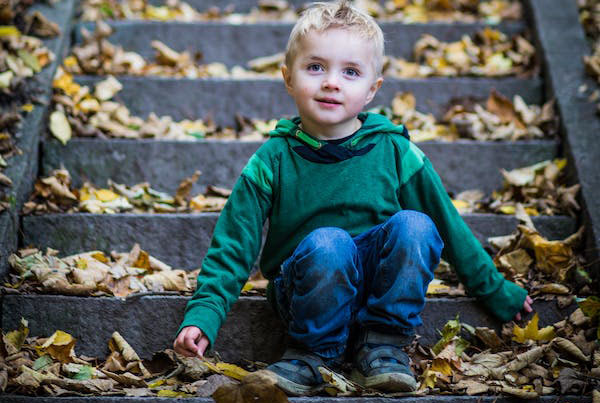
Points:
[(560, 163), (441, 365), (531, 331), (15, 339), (437, 287), (507, 209), (551, 257), (429, 379), (247, 287), (158, 13), (82, 264), (5, 78), (143, 261), (532, 211), (230, 370), (70, 61), (172, 393), (9, 30), (105, 195), (64, 81), (460, 204), (100, 257), (84, 194), (27, 107), (60, 346), (59, 126), (156, 384)]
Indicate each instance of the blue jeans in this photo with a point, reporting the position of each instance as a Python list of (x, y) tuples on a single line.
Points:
[(376, 280)]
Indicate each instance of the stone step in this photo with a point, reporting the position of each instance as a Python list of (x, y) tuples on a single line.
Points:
[(181, 240), (23, 168), (312, 399), (462, 165), (252, 330), (238, 43), (222, 99)]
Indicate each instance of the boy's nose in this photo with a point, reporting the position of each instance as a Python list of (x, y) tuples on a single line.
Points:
[(330, 83)]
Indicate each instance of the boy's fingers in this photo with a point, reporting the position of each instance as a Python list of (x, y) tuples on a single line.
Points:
[(202, 347), (189, 343), (518, 316)]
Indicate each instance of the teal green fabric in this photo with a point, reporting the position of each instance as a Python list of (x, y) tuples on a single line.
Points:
[(298, 196)]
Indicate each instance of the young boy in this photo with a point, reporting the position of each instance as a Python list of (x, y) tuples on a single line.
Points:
[(357, 215)]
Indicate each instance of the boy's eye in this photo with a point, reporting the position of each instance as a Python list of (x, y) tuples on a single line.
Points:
[(351, 72), (314, 67)]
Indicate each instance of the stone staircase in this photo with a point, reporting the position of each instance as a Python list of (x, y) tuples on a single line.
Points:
[(252, 331)]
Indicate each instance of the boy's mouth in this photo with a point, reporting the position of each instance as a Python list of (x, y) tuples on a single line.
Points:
[(330, 101)]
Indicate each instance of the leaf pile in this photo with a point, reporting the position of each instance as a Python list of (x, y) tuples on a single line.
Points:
[(49, 366), (22, 55), (539, 189), (499, 119), (408, 11), (521, 362), (98, 56), (543, 266), (54, 194), (589, 15), (175, 10), (79, 111), (488, 53), (94, 273), (524, 362)]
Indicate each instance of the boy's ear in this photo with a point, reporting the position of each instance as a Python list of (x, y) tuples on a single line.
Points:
[(373, 90), (287, 77)]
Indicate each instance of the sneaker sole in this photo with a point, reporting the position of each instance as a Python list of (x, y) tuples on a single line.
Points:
[(390, 382), (296, 389)]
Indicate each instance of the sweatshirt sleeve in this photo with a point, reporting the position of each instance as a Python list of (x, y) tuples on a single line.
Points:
[(422, 190), (233, 250)]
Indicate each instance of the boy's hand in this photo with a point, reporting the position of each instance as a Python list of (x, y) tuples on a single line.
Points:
[(191, 342), (526, 307)]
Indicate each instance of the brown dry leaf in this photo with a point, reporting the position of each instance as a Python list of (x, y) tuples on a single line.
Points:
[(259, 386), (570, 348), (126, 379), (13, 341), (518, 260), (118, 343), (488, 337), (551, 257), (39, 25), (502, 107), (174, 280), (472, 387), (184, 189), (337, 384)]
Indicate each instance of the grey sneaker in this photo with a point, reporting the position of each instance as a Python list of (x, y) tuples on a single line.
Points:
[(381, 364), (297, 372)]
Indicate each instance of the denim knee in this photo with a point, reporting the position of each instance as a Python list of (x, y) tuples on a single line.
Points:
[(322, 253), (410, 230)]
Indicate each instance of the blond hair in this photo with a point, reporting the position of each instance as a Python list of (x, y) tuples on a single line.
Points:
[(337, 14)]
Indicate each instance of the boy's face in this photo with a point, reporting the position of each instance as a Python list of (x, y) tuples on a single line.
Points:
[(331, 79)]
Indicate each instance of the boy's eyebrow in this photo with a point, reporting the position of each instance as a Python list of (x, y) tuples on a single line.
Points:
[(349, 62)]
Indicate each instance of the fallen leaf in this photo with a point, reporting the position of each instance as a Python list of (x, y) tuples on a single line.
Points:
[(60, 346), (13, 341), (531, 331), (59, 126), (259, 386)]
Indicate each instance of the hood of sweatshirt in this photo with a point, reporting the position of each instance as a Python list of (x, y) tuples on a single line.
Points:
[(373, 124)]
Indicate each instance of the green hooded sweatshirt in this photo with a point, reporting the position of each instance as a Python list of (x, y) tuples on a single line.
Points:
[(299, 196)]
